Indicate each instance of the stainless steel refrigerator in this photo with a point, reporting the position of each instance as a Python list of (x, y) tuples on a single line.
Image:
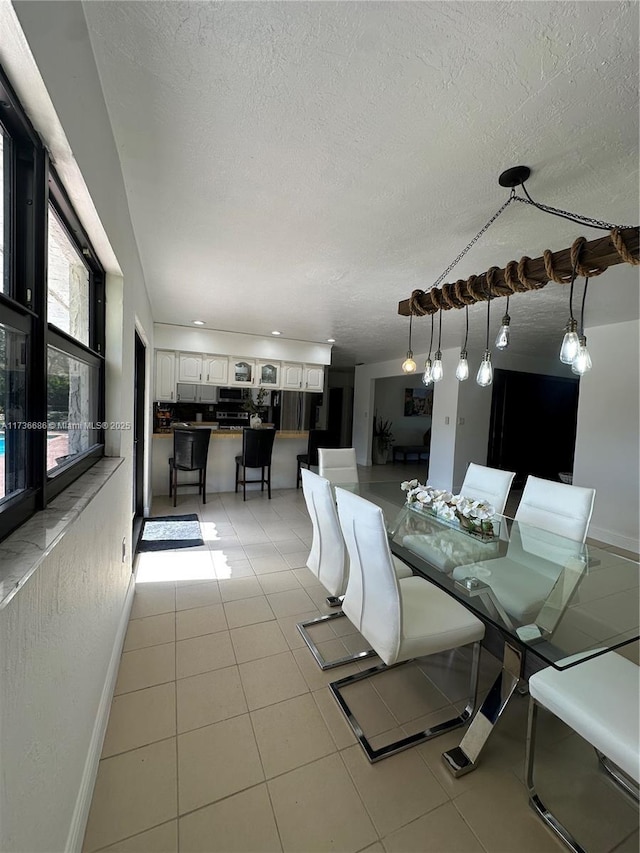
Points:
[(299, 410)]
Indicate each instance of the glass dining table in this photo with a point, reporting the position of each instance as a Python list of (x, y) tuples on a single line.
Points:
[(545, 600)]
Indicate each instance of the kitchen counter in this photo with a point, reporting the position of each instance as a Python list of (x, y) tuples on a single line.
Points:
[(224, 446)]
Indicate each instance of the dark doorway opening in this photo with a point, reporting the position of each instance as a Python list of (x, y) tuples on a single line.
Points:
[(533, 424), (138, 438)]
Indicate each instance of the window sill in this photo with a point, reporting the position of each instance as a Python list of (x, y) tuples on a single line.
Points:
[(23, 550)]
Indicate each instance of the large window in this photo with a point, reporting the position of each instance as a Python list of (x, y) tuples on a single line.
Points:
[(51, 328)]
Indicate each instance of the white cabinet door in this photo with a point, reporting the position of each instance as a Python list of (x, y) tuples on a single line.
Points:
[(313, 377), (189, 367), (268, 374), (165, 375), (242, 371), (207, 394), (215, 369), (292, 376)]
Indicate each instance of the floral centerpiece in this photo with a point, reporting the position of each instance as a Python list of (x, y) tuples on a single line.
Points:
[(473, 516)]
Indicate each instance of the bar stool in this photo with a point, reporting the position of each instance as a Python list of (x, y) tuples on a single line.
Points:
[(257, 447), (317, 438), (190, 452)]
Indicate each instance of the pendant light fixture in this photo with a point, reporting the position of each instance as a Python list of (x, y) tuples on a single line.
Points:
[(409, 365), (502, 339), (462, 370), (582, 362), (570, 342), (427, 377), (438, 371), (485, 371)]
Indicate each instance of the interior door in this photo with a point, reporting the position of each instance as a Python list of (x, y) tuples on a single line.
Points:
[(138, 437)]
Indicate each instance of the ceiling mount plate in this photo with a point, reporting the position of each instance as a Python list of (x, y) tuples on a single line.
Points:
[(514, 177)]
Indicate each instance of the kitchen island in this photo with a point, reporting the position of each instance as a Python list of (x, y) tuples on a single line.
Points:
[(224, 446)]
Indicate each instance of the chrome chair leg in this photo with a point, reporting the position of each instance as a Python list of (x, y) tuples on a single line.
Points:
[(618, 776), (373, 754), (334, 600), (315, 651)]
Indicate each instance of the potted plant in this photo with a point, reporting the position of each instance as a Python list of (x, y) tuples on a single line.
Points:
[(382, 440), (255, 407)]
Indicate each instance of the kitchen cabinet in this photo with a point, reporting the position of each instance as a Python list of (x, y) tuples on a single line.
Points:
[(313, 377), (268, 374), (215, 369), (188, 392), (189, 367), (165, 386), (292, 376), (242, 372)]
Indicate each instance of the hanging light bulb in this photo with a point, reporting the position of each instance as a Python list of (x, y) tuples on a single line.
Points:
[(462, 370), (484, 376), (485, 371), (582, 361), (502, 338), (437, 371), (427, 376), (570, 342), (409, 365)]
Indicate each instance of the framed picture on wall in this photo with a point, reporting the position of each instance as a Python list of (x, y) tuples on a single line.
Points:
[(418, 402)]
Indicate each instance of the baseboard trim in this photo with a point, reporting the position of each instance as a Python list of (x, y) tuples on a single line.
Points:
[(611, 538), (90, 772)]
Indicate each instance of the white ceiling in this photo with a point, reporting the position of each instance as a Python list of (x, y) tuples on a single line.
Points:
[(303, 166)]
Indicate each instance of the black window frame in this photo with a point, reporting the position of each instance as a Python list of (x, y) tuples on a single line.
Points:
[(33, 185)]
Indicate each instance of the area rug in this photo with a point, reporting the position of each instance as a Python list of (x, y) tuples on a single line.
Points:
[(166, 532)]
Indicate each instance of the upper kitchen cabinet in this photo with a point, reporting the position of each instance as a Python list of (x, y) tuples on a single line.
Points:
[(268, 374), (165, 388), (189, 367), (313, 377), (292, 377), (215, 369), (242, 372)]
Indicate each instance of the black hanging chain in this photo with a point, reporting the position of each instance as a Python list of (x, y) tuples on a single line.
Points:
[(591, 222), (475, 240)]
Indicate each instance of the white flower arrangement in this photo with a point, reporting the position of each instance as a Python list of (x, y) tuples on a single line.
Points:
[(473, 515)]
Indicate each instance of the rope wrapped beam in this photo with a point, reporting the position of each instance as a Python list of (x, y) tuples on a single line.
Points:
[(589, 258)]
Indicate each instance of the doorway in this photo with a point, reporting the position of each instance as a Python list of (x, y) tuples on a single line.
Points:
[(533, 424), (138, 436)]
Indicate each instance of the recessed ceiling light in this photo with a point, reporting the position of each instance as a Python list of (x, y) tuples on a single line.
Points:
[(276, 333), (331, 340), (198, 322)]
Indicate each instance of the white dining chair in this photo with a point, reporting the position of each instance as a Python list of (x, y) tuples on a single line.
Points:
[(487, 484), (556, 507), (338, 465), (598, 699), (524, 577), (328, 561), (401, 618)]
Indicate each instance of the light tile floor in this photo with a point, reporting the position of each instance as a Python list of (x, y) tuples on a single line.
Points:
[(223, 735)]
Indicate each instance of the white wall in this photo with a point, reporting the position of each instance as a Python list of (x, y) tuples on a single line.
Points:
[(57, 637), (607, 456), (60, 631)]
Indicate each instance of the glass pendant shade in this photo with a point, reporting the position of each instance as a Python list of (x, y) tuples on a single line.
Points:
[(582, 361), (502, 339), (570, 343), (409, 365), (485, 371), (437, 371), (427, 378), (462, 370)]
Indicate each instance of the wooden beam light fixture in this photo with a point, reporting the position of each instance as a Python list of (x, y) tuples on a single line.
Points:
[(588, 259)]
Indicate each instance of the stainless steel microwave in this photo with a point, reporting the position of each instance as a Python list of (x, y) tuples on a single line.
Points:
[(231, 395)]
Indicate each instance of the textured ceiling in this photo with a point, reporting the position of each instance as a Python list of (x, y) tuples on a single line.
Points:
[(304, 166)]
